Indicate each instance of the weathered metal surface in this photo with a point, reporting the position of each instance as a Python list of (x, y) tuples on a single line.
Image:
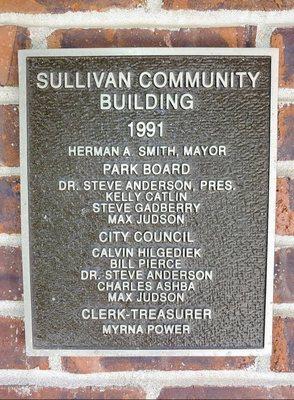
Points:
[(230, 226)]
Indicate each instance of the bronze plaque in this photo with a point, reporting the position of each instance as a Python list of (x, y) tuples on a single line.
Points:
[(148, 198)]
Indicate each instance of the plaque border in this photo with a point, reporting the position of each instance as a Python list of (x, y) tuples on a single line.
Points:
[(149, 51)]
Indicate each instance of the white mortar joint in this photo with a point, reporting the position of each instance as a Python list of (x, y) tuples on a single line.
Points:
[(153, 17)]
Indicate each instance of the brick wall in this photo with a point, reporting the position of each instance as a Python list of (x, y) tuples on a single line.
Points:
[(120, 23)]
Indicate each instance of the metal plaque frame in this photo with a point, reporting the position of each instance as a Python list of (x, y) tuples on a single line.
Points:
[(248, 52)]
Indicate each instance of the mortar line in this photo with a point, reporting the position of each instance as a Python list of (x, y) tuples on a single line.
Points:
[(9, 171), (284, 241), (285, 169), (154, 5), (262, 363), (146, 378), (9, 95), (285, 310), (39, 36), (143, 18), (263, 35), (10, 240), (286, 95), (11, 308), (55, 363)]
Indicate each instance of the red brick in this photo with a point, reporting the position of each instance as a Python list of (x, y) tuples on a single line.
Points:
[(12, 39), (201, 37), (231, 392), (214, 37), (72, 38), (228, 4), (33, 392), (283, 38), (286, 133), (86, 365), (10, 273), (62, 6), (283, 345), (284, 276), (285, 207), (9, 136), (12, 347), (9, 205)]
